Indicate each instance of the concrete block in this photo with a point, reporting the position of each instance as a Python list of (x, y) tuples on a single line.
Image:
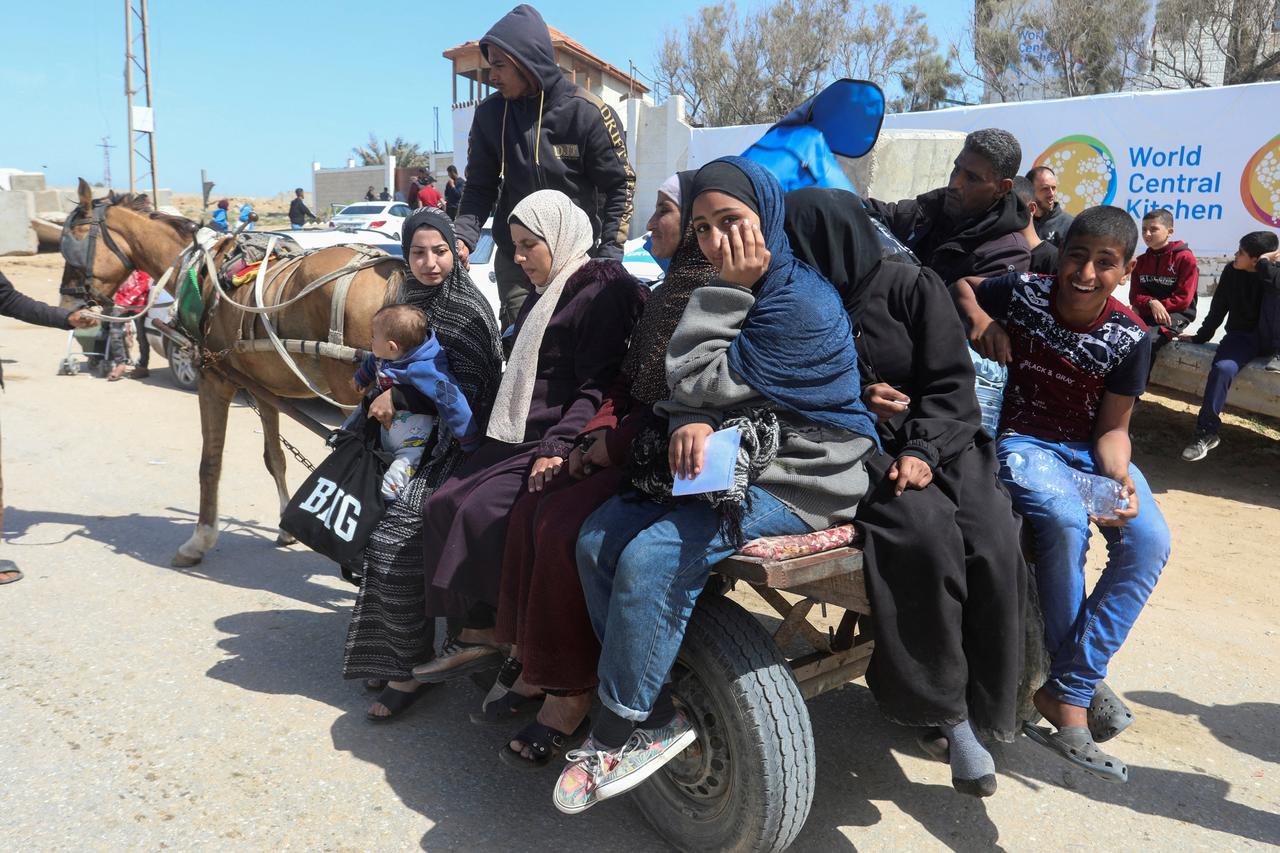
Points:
[(164, 198), (1185, 366), (17, 236), (30, 181), (904, 163), (49, 201)]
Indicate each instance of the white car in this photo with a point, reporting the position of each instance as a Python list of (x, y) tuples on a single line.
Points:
[(182, 359), (385, 217)]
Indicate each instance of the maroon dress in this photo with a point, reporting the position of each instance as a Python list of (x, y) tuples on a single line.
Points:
[(541, 607), (465, 520)]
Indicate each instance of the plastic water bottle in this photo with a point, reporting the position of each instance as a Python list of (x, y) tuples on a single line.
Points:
[(1038, 471), (989, 381)]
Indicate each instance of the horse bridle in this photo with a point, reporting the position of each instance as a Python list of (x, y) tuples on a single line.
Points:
[(78, 252)]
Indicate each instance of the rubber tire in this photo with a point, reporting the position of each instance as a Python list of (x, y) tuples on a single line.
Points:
[(766, 726), (186, 375)]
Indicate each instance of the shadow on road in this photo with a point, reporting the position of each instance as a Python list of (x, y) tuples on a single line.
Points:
[(1248, 727), (1241, 470), (853, 771), (246, 555), (1180, 796)]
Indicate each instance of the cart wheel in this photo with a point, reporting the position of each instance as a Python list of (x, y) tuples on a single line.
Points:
[(747, 783)]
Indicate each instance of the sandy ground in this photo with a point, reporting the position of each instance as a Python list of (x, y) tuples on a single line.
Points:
[(147, 707)]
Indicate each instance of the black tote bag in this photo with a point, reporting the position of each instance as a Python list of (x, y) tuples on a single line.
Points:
[(335, 510)]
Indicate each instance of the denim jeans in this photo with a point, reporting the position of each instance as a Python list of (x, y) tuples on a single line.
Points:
[(1082, 634), (643, 565), (295, 226)]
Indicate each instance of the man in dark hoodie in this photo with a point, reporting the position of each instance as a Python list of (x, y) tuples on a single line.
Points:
[(1051, 218), (973, 226), (540, 131)]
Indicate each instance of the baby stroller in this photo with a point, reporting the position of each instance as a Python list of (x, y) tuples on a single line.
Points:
[(83, 351)]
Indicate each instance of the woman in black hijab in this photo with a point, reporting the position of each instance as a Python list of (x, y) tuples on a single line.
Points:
[(943, 565), (389, 632)]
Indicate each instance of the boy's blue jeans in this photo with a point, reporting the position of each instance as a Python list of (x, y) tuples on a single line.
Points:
[(1082, 633), (643, 565)]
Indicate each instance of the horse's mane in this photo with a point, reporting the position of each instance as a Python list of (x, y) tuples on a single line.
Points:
[(139, 203)]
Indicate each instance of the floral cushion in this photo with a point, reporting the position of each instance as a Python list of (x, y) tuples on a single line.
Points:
[(790, 547)]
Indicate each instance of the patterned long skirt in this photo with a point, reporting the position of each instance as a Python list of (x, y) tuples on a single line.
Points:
[(390, 633)]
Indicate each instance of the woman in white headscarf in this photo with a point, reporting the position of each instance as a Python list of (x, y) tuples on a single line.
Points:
[(571, 336)]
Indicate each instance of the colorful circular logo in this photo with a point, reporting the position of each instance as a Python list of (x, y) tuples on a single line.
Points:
[(1260, 184), (1086, 172)]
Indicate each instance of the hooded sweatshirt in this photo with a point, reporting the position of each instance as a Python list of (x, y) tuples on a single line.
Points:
[(561, 137), (1168, 274), (986, 246)]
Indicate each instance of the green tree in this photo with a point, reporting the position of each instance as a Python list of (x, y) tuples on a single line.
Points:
[(408, 154)]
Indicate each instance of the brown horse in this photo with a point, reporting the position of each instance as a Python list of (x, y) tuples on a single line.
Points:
[(128, 235)]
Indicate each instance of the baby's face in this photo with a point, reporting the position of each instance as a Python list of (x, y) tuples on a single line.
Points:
[(384, 348)]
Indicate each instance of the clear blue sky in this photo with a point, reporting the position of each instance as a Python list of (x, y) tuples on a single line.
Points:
[(254, 91)]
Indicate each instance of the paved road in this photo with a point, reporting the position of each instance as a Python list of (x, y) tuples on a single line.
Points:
[(147, 707)]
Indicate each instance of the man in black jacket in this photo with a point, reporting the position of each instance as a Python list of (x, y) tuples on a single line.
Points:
[(24, 308), (1051, 218), (299, 213), (540, 132), (973, 226)]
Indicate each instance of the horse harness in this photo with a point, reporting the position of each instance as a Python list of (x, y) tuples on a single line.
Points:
[(236, 270), (79, 252)]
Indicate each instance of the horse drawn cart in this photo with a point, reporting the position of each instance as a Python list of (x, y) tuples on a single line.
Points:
[(747, 782)]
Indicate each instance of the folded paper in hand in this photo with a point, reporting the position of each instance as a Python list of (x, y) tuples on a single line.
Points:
[(719, 458)]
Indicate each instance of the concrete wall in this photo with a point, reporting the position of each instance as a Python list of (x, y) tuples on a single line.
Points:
[(904, 163), (344, 186), (660, 142), (17, 237)]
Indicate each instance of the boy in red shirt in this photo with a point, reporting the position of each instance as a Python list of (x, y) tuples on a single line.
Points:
[(1164, 281)]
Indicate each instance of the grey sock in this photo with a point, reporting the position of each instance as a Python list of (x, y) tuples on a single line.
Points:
[(970, 760)]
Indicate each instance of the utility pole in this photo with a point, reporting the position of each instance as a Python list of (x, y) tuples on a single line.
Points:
[(106, 147), (142, 122)]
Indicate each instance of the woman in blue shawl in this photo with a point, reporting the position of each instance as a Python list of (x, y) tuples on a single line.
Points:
[(765, 348)]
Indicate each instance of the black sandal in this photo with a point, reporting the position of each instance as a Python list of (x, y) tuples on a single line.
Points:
[(502, 702), (373, 685), (544, 742), (395, 701), (509, 706)]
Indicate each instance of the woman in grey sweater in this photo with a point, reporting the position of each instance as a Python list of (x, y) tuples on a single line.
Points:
[(765, 348)]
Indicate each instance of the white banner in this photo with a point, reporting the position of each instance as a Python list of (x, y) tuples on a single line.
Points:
[(1211, 156)]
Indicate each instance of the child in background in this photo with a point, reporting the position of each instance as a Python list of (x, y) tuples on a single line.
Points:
[(1078, 359), (1165, 278), (1044, 255), (1238, 299), (405, 352), (218, 219)]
